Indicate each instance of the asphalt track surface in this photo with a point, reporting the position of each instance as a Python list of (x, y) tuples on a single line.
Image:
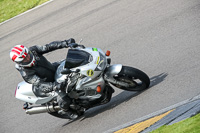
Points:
[(159, 37)]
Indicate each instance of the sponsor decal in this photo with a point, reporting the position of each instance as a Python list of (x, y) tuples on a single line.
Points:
[(97, 62), (94, 49), (90, 72)]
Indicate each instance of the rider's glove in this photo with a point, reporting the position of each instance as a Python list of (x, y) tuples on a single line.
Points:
[(71, 40), (73, 45), (66, 43)]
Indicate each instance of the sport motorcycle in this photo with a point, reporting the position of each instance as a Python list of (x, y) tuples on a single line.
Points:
[(90, 76)]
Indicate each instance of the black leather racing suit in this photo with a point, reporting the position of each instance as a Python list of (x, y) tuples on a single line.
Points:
[(41, 75)]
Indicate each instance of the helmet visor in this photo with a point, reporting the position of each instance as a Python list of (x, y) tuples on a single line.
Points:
[(27, 60)]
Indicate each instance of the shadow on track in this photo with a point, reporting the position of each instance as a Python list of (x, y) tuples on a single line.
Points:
[(118, 99), (157, 79)]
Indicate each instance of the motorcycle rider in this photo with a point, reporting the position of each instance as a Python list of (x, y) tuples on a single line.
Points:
[(38, 71)]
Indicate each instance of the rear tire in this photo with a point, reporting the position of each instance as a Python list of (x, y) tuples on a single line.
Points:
[(136, 79)]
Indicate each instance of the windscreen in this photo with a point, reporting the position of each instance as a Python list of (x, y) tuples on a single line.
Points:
[(76, 58)]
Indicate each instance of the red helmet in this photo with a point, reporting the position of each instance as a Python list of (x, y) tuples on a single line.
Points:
[(22, 56)]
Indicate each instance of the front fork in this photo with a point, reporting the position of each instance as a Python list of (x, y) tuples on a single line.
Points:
[(111, 72)]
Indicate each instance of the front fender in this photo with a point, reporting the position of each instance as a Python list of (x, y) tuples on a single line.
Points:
[(113, 70)]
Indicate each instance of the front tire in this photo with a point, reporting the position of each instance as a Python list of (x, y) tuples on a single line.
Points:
[(135, 78)]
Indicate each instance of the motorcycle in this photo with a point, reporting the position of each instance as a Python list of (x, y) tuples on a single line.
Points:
[(89, 76)]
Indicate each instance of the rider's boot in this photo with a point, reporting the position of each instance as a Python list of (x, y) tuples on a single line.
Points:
[(64, 102), (69, 113)]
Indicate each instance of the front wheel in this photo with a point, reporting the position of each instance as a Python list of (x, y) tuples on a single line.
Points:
[(135, 78)]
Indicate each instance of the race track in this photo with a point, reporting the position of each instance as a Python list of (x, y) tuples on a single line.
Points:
[(157, 36)]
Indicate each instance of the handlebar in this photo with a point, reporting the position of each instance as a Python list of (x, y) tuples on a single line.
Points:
[(68, 71)]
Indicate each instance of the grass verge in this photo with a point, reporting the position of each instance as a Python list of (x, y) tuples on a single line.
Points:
[(190, 125), (11, 8)]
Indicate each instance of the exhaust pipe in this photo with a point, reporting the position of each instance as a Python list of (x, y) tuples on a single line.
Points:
[(42, 109)]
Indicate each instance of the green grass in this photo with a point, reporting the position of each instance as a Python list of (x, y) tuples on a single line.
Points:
[(11, 8), (190, 125)]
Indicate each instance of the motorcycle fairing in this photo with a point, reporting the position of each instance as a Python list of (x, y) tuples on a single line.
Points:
[(90, 71), (96, 63), (25, 93)]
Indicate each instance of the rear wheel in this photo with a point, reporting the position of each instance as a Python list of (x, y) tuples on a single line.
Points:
[(135, 79)]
